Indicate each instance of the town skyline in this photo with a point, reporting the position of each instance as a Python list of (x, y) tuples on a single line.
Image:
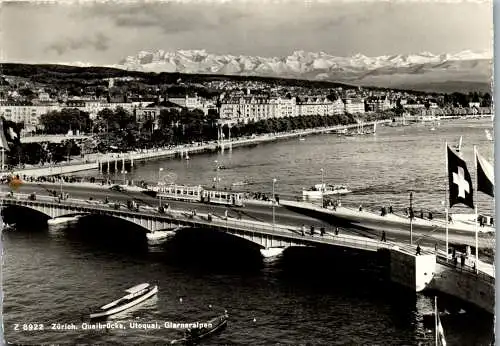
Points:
[(104, 33)]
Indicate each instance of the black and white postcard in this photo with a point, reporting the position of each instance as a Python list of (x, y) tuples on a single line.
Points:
[(247, 172)]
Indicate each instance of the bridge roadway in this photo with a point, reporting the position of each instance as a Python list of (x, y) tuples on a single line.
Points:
[(253, 212), (263, 213), (264, 234)]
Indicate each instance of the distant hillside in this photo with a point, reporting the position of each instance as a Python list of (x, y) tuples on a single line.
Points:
[(449, 87), (409, 78), (385, 71), (63, 73)]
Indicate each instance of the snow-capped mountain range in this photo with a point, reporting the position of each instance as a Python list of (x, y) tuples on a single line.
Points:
[(300, 62), (358, 69)]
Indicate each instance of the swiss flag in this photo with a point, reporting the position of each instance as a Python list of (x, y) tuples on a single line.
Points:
[(461, 190)]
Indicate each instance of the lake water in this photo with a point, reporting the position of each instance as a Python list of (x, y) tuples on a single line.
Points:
[(307, 296)]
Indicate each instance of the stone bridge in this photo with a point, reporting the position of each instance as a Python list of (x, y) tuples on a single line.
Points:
[(263, 234), (406, 268)]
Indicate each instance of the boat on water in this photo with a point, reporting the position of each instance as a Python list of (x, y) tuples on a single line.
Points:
[(194, 335), (319, 190), (160, 235), (488, 135), (7, 228), (63, 219), (302, 139), (136, 295), (241, 183), (458, 147)]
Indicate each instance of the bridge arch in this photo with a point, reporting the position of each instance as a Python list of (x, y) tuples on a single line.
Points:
[(210, 234)]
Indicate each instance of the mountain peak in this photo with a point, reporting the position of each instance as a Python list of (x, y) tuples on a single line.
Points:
[(360, 69)]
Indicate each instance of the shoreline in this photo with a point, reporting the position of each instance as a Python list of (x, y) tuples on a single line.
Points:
[(99, 161)]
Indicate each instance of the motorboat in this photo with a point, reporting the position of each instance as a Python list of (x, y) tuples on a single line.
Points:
[(136, 295), (488, 135), (458, 147), (241, 183), (7, 228), (194, 335), (61, 220), (319, 190), (159, 235)]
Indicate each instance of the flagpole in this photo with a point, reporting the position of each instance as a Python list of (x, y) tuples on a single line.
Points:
[(436, 320), (476, 231), (446, 196)]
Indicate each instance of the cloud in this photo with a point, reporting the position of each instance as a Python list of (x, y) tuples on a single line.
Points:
[(168, 17), (99, 42)]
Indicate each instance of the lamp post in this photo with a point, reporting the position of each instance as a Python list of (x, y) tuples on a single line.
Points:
[(159, 179), (274, 202), (159, 174), (61, 181), (411, 218), (217, 179), (322, 188)]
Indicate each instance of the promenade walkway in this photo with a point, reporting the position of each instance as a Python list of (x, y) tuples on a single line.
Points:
[(91, 161), (369, 217)]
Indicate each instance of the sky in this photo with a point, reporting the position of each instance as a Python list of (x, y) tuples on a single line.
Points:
[(106, 32)]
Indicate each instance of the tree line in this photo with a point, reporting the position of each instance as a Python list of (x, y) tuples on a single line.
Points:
[(122, 130)]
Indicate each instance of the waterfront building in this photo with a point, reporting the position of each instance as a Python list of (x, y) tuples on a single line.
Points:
[(28, 115), (152, 112), (250, 108), (414, 106), (194, 102), (354, 105), (378, 104), (319, 106)]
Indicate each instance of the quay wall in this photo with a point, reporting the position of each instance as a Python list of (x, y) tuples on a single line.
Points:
[(118, 161), (55, 170), (412, 271), (477, 289)]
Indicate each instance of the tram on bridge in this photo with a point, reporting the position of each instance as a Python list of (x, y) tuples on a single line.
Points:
[(200, 194)]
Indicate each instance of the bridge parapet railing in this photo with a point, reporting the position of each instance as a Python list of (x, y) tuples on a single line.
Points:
[(288, 232), (466, 268)]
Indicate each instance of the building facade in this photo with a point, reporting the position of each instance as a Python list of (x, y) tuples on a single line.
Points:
[(354, 105), (250, 108), (194, 102), (319, 106), (28, 115), (378, 104)]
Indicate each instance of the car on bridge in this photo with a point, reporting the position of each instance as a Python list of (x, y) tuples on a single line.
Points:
[(117, 188)]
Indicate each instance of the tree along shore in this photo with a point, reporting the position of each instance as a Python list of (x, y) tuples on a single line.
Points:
[(120, 130)]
